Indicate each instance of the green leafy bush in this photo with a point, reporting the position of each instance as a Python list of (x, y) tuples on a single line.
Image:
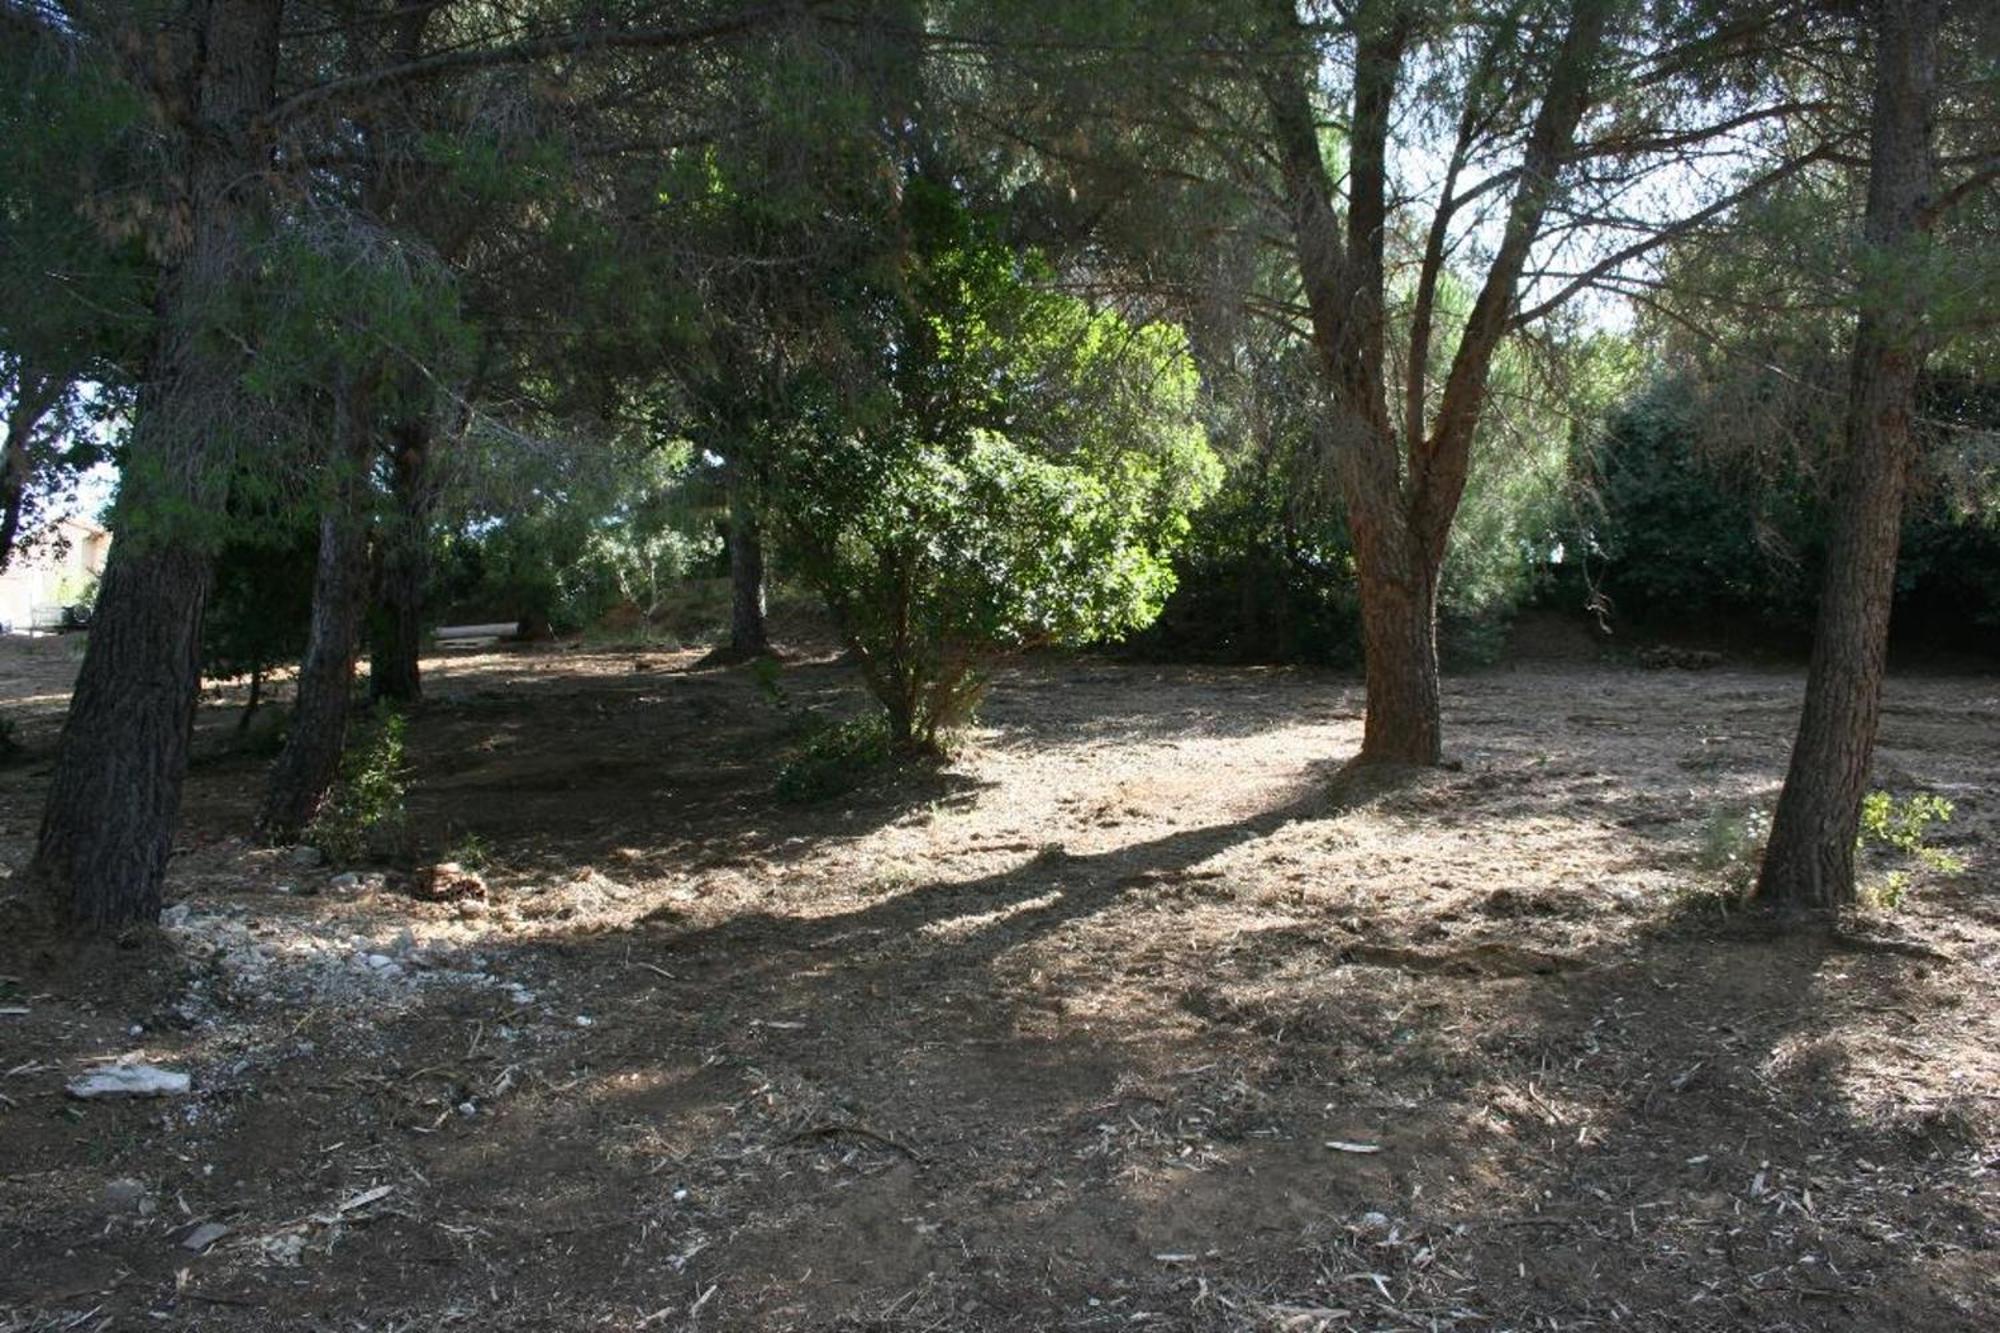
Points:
[(834, 760), (260, 606), (561, 533), (365, 815), (1680, 518), (1901, 827), (1021, 476)]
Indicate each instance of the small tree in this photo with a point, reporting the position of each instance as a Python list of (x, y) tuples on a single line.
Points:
[(258, 610), (1021, 476)]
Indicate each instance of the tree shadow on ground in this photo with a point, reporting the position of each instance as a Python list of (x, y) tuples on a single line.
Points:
[(1665, 1126), (1089, 1087)]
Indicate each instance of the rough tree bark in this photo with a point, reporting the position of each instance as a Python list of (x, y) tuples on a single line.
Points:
[(309, 764), (116, 786), (748, 636), (1402, 485), (1809, 861), (394, 671)]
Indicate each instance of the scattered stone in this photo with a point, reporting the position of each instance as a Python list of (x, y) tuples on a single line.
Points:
[(471, 909), (175, 917), (448, 881), (126, 1195), (1374, 1225), (285, 1249), (307, 857), (133, 1080), (345, 882), (204, 1236)]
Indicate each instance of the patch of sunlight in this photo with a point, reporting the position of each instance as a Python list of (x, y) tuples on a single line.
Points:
[(959, 928)]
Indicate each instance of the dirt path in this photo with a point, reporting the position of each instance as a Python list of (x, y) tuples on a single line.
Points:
[(1084, 1032)]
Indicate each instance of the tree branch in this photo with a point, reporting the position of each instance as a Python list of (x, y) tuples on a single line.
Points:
[(1680, 227), (449, 63)]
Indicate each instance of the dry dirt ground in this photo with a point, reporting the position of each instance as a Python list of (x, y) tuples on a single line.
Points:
[(1129, 1018)]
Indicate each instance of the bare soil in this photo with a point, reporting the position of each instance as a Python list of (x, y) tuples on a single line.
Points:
[(1135, 1015)]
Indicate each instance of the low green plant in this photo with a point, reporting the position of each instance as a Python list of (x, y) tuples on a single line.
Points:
[(765, 676), (1901, 828), (471, 851), (835, 759), (1732, 840), (366, 813)]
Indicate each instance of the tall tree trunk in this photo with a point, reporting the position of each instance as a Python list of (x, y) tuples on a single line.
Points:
[(394, 666), (256, 699), (1809, 861), (34, 395), (310, 762), (747, 634), (1399, 646), (115, 791)]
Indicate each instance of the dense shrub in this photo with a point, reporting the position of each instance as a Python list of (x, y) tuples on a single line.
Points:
[(1675, 527), (834, 759), (259, 607), (1023, 477), (1260, 581), (560, 536)]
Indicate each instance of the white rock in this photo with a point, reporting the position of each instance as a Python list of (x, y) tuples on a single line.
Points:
[(204, 1236), (129, 1081), (175, 917), (349, 882), (126, 1195)]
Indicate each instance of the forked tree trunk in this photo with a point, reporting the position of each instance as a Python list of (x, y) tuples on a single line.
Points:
[(115, 791), (309, 764), (1809, 861), (1403, 485), (394, 663), (748, 636)]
